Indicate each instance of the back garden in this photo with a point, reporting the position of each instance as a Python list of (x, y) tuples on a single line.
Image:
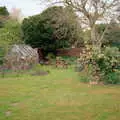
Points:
[(37, 83)]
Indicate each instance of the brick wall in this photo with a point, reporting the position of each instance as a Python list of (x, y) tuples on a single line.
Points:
[(75, 52)]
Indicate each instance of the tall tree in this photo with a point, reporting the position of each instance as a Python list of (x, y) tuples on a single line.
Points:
[(91, 12), (55, 27)]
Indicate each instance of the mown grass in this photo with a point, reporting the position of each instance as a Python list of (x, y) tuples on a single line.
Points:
[(57, 96)]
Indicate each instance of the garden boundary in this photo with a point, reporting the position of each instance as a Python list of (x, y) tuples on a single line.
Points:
[(72, 52)]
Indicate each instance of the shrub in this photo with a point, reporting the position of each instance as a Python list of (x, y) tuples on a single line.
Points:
[(50, 56), (104, 64), (112, 78), (3, 15), (108, 60), (4, 11), (85, 79), (112, 35), (2, 53), (69, 59), (10, 34)]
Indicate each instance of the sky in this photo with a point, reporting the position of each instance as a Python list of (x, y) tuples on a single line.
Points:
[(28, 7)]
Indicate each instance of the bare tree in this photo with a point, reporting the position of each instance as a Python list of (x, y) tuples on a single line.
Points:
[(91, 12)]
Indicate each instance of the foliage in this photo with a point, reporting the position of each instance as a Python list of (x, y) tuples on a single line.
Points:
[(101, 65), (86, 37), (112, 34), (108, 60), (53, 28), (91, 12), (65, 25), (106, 64), (37, 34), (51, 56), (4, 11), (3, 15), (69, 59), (2, 53), (85, 79), (112, 78), (9, 34)]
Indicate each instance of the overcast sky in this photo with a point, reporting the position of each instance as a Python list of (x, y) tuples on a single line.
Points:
[(28, 7)]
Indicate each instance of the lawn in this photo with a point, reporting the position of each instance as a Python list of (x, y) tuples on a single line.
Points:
[(57, 96)]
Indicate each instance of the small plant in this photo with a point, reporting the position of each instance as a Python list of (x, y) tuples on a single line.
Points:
[(85, 78), (50, 56), (112, 78), (79, 66), (2, 54), (108, 60)]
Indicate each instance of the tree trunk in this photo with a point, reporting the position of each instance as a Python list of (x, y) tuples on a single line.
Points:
[(93, 35), (94, 39)]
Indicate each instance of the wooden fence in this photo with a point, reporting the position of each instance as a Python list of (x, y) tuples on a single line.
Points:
[(74, 52)]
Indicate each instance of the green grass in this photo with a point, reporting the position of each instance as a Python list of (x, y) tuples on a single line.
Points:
[(57, 96)]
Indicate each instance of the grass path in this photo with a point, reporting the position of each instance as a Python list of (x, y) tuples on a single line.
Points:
[(57, 96)]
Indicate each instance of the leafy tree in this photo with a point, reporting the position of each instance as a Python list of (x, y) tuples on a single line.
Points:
[(4, 11), (65, 24), (112, 35), (53, 28), (3, 15), (10, 34), (36, 33), (91, 12)]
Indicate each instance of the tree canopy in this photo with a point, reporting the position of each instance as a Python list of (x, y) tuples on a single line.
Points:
[(112, 36), (53, 28), (4, 11), (93, 11), (10, 32)]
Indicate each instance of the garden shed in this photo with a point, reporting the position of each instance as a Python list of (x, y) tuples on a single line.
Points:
[(21, 57)]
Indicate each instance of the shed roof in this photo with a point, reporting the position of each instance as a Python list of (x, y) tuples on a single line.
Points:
[(22, 50)]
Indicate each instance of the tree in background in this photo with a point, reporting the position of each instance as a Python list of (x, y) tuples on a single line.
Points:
[(54, 28), (112, 35), (10, 32), (3, 15), (91, 12), (4, 11), (65, 25)]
